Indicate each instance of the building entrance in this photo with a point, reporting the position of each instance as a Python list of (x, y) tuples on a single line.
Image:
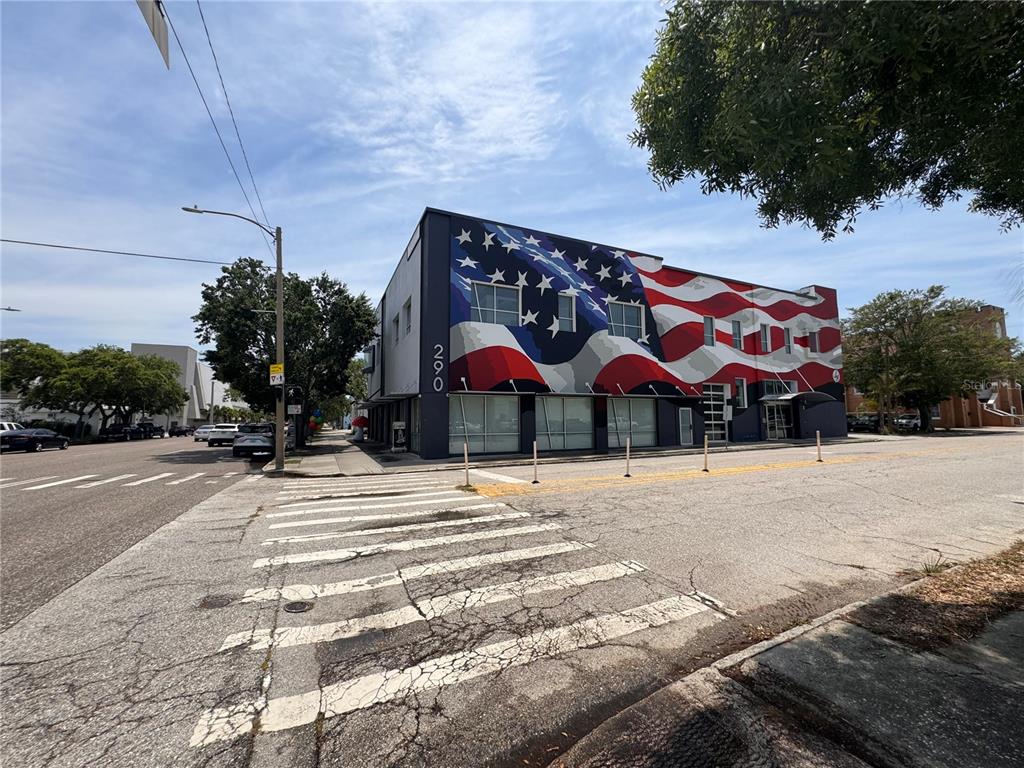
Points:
[(778, 421)]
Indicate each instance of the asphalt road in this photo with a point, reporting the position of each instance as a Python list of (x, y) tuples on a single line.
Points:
[(54, 536), (462, 629)]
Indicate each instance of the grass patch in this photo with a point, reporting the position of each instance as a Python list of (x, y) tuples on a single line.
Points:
[(953, 604)]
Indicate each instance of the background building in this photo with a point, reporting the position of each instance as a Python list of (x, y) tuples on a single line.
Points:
[(495, 336), (204, 391)]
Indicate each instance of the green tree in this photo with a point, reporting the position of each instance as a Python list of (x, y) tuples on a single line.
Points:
[(325, 325), (25, 364), (917, 348), (821, 109), (356, 379)]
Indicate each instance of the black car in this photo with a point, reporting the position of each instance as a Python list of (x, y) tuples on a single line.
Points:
[(149, 429), (181, 430), (120, 432), (32, 440)]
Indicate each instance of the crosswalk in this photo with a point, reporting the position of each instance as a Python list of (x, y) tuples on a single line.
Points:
[(392, 558), (75, 483)]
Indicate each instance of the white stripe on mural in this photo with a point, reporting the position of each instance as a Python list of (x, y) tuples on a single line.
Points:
[(499, 477), (394, 578), (401, 528), (161, 476), (186, 479), (339, 698), (356, 498), (26, 482), (108, 480), (399, 502), (425, 610), (58, 482), (341, 555)]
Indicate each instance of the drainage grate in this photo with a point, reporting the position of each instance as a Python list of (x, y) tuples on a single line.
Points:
[(298, 606)]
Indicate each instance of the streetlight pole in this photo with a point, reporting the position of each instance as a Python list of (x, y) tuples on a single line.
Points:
[(279, 429)]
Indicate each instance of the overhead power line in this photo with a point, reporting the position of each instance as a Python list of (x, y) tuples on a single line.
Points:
[(231, 112), (116, 253), (213, 122)]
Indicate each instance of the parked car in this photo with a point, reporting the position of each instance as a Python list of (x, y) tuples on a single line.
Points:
[(113, 432), (222, 434), (908, 422), (252, 439), (180, 430), (32, 440), (202, 434), (7, 426), (149, 429)]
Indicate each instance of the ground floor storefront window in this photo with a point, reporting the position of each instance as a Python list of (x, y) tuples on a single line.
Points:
[(564, 423), (488, 423), (631, 417)]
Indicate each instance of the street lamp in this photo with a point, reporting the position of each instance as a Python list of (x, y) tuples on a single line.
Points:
[(276, 235)]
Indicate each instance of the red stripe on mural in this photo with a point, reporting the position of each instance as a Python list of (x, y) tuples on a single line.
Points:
[(668, 277), (631, 371), (485, 368), (725, 304), (816, 374)]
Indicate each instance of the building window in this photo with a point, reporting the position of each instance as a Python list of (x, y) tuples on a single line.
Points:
[(741, 393), (737, 334), (565, 423), (812, 341), (779, 387), (631, 417), (495, 304), (488, 423), (766, 339), (394, 330), (407, 315), (625, 320), (788, 342), (566, 312), (709, 331), (369, 355)]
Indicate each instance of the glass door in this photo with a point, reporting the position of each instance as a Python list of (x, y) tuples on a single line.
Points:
[(777, 421), (685, 426), (714, 412)]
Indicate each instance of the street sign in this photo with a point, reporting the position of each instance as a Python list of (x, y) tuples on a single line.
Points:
[(157, 25), (294, 408), (276, 374)]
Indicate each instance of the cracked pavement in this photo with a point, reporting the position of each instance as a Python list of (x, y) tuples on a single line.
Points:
[(443, 633)]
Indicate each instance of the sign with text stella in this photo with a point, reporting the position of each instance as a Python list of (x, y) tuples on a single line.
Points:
[(276, 374)]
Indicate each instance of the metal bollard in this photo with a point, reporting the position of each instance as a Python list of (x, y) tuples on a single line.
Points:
[(705, 453), (628, 441), (817, 437), (535, 480), (465, 459)]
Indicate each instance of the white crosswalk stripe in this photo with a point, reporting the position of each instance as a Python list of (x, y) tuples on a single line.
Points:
[(348, 504), (108, 480), (27, 482), (398, 515), (298, 539), (161, 476), (58, 482), (405, 490), (336, 482), (377, 687), (340, 555), (186, 479), (396, 578), (425, 610)]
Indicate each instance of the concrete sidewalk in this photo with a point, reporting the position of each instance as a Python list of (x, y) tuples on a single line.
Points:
[(831, 693), (329, 454)]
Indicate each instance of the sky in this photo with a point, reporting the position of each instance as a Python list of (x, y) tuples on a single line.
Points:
[(354, 118)]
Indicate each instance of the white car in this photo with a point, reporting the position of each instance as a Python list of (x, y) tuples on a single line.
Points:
[(222, 434), (6, 426), (202, 434)]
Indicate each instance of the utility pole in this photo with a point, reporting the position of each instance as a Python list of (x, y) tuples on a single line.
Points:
[(280, 428)]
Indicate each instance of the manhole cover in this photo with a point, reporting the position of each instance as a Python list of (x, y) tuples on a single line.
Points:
[(215, 601), (298, 606)]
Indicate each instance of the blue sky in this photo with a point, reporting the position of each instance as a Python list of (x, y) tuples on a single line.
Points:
[(355, 117)]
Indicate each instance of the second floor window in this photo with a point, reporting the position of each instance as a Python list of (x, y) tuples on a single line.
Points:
[(737, 334), (407, 316), (495, 304), (394, 329), (709, 331), (788, 340), (766, 339), (625, 320), (566, 312), (812, 341)]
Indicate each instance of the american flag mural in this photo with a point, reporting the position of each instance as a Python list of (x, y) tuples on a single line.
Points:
[(663, 351)]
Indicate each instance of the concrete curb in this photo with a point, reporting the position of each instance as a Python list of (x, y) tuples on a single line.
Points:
[(586, 458)]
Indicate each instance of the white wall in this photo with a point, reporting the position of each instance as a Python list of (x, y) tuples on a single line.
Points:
[(401, 353)]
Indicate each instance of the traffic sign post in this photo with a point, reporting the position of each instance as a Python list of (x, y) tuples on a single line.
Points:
[(277, 375)]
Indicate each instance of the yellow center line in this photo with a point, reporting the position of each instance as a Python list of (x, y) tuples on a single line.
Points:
[(613, 481)]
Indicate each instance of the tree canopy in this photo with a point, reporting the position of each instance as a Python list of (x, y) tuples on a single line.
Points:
[(917, 348), (104, 379), (822, 109), (325, 326)]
